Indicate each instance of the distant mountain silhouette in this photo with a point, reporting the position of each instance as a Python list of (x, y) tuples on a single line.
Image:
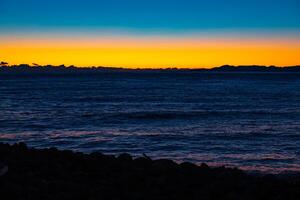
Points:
[(256, 68), (37, 69)]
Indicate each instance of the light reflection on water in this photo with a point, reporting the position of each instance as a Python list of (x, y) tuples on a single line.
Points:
[(251, 121)]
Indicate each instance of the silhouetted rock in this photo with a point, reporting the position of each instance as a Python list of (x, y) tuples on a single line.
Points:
[(55, 174), (142, 162), (204, 166), (3, 169), (187, 166), (164, 165), (125, 157)]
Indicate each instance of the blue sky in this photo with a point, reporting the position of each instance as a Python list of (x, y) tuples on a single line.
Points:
[(174, 15), (150, 33)]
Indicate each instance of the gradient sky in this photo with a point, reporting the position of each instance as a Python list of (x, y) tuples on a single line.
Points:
[(152, 33)]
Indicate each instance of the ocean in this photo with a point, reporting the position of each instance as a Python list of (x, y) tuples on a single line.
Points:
[(245, 120)]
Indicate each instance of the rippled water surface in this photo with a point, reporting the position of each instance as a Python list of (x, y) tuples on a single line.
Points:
[(247, 120)]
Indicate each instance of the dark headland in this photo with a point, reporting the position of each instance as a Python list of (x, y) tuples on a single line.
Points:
[(62, 69), (27, 173)]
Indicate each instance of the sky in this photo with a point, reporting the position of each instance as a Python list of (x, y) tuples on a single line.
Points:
[(150, 33)]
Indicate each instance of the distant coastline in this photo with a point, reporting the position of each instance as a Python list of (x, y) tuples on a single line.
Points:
[(35, 68)]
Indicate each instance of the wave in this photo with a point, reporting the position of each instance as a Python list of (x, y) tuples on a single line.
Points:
[(153, 115)]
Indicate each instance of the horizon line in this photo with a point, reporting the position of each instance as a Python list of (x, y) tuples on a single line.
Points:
[(34, 65)]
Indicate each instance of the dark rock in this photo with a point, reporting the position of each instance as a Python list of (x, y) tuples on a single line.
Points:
[(125, 157), (204, 166), (3, 169), (53, 174), (164, 164), (189, 167), (142, 162)]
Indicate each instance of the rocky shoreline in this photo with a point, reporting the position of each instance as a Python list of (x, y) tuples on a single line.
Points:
[(28, 173)]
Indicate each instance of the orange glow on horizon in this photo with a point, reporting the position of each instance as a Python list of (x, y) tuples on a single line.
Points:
[(151, 52)]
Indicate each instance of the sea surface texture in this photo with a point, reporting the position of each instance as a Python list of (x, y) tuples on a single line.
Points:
[(247, 120)]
